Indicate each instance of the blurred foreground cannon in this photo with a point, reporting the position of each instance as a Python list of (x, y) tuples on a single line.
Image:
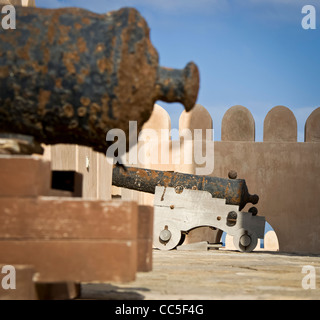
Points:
[(70, 75)]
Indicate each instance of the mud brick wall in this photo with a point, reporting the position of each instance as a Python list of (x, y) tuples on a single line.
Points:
[(281, 170)]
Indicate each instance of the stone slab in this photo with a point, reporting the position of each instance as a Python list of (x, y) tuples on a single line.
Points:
[(48, 218), (74, 260), (24, 176)]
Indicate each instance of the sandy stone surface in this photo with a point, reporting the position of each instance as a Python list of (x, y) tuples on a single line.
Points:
[(210, 275)]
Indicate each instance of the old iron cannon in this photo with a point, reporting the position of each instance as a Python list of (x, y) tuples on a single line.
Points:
[(234, 191), (70, 75), (184, 202)]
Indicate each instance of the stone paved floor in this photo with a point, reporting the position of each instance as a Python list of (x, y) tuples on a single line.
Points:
[(215, 274)]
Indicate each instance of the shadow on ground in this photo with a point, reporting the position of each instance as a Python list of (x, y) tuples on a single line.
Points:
[(105, 291)]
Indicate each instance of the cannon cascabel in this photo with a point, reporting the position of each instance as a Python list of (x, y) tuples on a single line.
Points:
[(70, 75)]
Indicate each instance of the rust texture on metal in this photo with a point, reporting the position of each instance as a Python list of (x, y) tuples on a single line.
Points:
[(69, 75), (235, 191)]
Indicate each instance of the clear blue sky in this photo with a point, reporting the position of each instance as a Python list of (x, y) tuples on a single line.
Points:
[(249, 52)]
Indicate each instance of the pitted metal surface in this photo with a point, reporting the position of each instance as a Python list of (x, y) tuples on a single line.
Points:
[(70, 75), (234, 191)]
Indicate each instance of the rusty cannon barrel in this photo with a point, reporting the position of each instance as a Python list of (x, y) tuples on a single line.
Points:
[(235, 191), (70, 75)]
